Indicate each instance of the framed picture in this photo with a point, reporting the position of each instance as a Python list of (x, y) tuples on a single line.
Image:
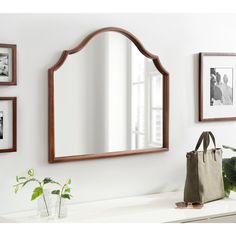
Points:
[(217, 86), (7, 64), (8, 124)]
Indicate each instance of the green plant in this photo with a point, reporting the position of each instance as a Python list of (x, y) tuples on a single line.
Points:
[(63, 193), (229, 173), (38, 191)]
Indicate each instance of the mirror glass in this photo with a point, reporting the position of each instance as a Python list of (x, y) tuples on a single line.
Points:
[(108, 97)]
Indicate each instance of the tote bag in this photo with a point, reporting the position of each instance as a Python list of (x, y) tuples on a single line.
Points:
[(204, 181)]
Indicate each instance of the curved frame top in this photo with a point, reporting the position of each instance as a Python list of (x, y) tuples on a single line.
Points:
[(59, 63)]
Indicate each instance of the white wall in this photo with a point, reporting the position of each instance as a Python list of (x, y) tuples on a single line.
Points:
[(175, 38)]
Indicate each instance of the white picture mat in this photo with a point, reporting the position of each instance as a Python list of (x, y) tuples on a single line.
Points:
[(221, 111), (9, 77), (7, 108)]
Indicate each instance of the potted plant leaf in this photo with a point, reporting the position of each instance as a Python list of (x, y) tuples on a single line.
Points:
[(38, 193), (229, 173)]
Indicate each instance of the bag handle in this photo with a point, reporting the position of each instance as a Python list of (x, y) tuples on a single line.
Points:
[(212, 138), (199, 142), (205, 137)]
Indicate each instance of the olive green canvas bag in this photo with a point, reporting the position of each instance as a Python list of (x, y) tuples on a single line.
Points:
[(204, 181)]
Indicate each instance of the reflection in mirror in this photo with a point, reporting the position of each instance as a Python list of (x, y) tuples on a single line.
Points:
[(107, 98)]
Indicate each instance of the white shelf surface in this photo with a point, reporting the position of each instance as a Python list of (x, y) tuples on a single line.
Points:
[(155, 208)]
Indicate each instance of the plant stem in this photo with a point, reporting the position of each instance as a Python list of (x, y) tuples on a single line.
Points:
[(44, 199), (59, 213)]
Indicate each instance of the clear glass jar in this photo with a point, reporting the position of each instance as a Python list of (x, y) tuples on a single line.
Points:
[(60, 208), (45, 204)]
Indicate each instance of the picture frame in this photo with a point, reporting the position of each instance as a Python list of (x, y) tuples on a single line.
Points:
[(8, 64), (217, 86), (8, 124)]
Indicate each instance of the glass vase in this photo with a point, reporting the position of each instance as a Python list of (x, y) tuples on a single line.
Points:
[(44, 204), (61, 208)]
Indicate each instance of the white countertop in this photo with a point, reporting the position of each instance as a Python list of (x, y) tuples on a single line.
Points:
[(155, 208)]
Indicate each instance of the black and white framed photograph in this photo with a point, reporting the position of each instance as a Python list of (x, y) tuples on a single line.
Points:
[(8, 124), (217, 86), (8, 64), (1, 124)]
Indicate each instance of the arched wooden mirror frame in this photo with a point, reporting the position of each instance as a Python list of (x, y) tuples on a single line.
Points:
[(65, 54)]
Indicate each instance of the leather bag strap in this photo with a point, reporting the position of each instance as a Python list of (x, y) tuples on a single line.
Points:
[(205, 138), (212, 138), (200, 140)]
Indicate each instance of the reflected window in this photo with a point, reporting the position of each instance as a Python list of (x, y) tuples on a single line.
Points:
[(146, 102), (156, 110)]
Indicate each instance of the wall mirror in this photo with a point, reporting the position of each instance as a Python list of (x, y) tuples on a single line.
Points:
[(108, 97)]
